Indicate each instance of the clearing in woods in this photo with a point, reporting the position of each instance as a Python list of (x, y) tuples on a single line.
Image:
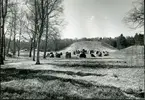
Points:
[(117, 76)]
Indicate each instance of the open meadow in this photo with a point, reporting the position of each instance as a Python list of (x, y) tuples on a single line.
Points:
[(59, 78)]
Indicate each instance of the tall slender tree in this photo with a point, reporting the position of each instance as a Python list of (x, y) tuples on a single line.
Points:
[(36, 24), (46, 36), (21, 26), (3, 7), (1, 58), (15, 13), (9, 42), (43, 12)]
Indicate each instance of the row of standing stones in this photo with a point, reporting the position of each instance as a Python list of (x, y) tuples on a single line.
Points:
[(81, 53)]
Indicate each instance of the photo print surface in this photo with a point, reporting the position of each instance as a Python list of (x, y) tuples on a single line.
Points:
[(72, 49)]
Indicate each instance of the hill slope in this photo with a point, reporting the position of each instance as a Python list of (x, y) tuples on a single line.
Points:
[(90, 45), (133, 55), (136, 49)]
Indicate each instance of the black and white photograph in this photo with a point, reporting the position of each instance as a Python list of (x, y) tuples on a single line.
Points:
[(72, 49)]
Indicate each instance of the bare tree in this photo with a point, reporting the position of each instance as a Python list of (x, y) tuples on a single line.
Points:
[(34, 35), (15, 16), (30, 33), (1, 46), (32, 19), (1, 60), (3, 7), (8, 45), (21, 27), (135, 17), (43, 12), (42, 19), (46, 36), (31, 47), (52, 21)]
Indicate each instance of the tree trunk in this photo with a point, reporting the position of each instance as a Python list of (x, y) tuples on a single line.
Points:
[(1, 59), (39, 40), (144, 49), (14, 40), (3, 13), (19, 49), (46, 39), (1, 52), (41, 31), (30, 53), (19, 45), (14, 44), (38, 48), (1, 46), (45, 48), (55, 44), (2, 42), (8, 48), (46, 36), (34, 38), (34, 35), (4, 47)]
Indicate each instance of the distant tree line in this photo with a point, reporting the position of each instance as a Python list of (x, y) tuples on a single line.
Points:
[(119, 42)]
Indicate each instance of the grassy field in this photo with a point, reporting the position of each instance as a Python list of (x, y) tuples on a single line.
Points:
[(20, 77), (112, 77), (30, 84), (38, 84)]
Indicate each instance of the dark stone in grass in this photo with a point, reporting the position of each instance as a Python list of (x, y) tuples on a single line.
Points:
[(92, 55), (97, 52), (129, 91), (141, 94), (82, 55), (100, 54), (9, 55), (68, 55), (58, 55)]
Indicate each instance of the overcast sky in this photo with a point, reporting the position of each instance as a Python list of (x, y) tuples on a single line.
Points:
[(96, 18)]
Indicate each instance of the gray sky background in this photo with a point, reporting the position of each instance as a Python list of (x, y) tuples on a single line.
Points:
[(96, 18)]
